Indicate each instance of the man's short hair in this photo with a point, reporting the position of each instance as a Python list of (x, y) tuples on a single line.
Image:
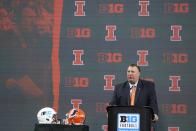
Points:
[(134, 65)]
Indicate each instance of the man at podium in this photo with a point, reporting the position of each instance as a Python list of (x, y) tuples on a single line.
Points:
[(135, 91)]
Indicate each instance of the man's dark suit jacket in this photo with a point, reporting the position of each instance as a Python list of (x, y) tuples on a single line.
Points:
[(145, 95)]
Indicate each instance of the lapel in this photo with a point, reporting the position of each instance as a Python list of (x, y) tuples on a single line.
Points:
[(139, 86)]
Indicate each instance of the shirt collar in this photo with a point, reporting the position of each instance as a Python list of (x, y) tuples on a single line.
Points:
[(131, 85)]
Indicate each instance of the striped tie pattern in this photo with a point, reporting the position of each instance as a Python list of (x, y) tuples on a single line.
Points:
[(132, 95)]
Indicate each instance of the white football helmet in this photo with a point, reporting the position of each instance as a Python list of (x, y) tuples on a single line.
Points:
[(47, 115)]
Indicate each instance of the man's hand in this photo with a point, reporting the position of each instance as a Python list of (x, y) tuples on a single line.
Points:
[(156, 118)]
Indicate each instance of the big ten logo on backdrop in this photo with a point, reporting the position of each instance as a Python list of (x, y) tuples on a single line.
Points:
[(111, 8), (174, 8), (173, 128), (175, 109), (175, 58), (128, 122), (116, 57), (150, 33), (109, 57), (77, 82), (101, 107), (79, 32), (143, 32), (136, 33), (139, 33)]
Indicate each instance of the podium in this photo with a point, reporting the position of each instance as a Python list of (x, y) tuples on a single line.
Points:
[(129, 118)]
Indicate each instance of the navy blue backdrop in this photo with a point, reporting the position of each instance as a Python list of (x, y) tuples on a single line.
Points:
[(66, 53)]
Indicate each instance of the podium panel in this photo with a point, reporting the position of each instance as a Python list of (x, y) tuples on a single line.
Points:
[(129, 118), (59, 127)]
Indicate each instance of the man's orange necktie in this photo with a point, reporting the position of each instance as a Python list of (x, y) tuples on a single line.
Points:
[(132, 96)]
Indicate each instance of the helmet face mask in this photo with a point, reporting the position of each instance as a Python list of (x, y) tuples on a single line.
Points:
[(76, 117), (47, 115), (54, 119)]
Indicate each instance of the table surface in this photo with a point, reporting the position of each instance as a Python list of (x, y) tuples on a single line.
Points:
[(60, 127)]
